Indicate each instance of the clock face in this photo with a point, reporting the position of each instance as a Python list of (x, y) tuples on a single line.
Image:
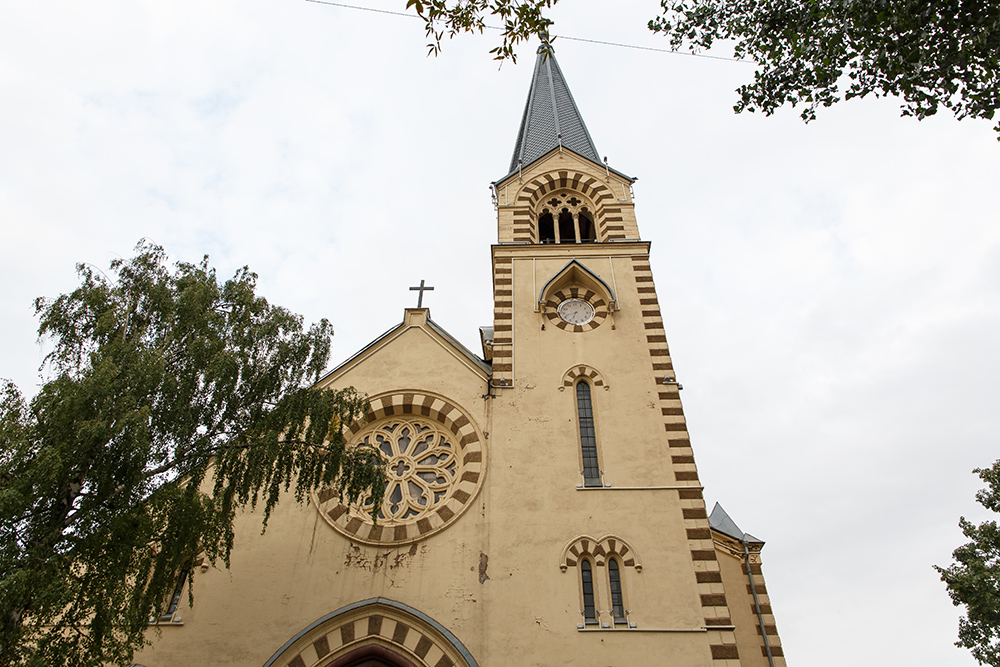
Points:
[(575, 311)]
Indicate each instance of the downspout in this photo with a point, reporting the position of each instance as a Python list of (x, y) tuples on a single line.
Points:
[(756, 604)]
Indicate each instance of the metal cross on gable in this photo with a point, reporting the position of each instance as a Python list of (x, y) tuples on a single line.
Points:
[(421, 289)]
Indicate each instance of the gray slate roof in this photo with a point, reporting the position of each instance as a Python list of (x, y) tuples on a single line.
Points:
[(722, 522), (549, 112)]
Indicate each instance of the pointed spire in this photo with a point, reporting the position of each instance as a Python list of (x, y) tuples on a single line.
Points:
[(550, 115)]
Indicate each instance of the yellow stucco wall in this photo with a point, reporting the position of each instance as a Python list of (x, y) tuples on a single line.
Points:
[(500, 570)]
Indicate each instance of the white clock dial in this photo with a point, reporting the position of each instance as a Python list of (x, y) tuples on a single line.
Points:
[(575, 311)]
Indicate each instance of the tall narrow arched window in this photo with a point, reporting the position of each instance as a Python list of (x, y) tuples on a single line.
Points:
[(546, 228), (617, 600), (588, 436), (567, 232), (587, 232), (175, 599), (589, 606)]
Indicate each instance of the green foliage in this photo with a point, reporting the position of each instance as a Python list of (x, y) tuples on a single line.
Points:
[(520, 18), (974, 578), (174, 401), (929, 53)]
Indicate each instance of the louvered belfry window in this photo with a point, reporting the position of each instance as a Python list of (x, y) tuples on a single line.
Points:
[(588, 437)]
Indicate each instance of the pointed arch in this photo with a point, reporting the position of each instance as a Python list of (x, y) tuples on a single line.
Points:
[(599, 550), (377, 628), (575, 273), (578, 371)]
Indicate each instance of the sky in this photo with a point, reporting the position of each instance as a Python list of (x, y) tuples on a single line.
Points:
[(830, 291)]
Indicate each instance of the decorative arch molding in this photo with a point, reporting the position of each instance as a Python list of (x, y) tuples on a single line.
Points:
[(575, 273), (377, 628), (459, 457), (532, 192), (576, 281), (599, 550), (594, 376)]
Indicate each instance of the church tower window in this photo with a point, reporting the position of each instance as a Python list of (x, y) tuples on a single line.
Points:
[(567, 231), (588, 435), (546, 228), (587, 231), (615, 584), (589, 605)]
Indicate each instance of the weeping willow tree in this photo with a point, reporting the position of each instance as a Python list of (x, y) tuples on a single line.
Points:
[(173, 400)]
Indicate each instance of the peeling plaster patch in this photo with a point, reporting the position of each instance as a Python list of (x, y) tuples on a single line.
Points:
[(483, 562), (390, 560)]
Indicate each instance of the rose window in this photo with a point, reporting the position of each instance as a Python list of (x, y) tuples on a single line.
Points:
[(422, 467)]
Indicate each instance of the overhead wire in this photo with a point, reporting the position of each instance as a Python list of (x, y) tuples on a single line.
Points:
[(559, 36)]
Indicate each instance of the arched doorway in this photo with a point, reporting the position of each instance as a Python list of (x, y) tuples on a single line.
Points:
[(377, 632), (371, 656)]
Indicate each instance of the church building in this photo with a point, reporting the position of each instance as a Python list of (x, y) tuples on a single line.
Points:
[(543, 508)]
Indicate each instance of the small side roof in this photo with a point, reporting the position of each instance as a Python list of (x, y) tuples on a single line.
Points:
[(722, 522)]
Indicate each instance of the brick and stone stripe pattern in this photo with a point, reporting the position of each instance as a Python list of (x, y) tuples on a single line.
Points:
[(332, 643), (706, 565), (609, 226), (765, 607), (503, 318), (470, 455), (525, 226), (599, 550), (576, 292), (583, 371)]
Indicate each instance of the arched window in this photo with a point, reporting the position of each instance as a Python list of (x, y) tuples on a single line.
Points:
[(615, 584), (589, 604), (567, 231), (587, 232), (588, 435), (175, 599), (546, 228)]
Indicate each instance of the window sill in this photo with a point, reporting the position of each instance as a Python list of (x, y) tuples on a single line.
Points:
[(623, 628)]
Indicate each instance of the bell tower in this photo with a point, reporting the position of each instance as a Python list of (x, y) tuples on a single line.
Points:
[(542, 508), (592, 460)]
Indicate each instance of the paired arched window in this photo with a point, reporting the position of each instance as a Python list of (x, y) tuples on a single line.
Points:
[(588, 435), (603, 566)]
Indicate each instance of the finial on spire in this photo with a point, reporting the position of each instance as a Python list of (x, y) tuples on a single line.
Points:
[(545, 45)]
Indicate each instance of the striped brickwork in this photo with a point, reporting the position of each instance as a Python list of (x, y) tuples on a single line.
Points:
[(358, 526), (608, 212), (706, 566), (599, 550), (766, 613), (595, 377), (372, 632), (503, 317), (576, 292)]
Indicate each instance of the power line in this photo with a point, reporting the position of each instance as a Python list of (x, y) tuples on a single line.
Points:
[(575, 39)]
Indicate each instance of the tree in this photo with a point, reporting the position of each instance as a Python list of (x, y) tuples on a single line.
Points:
[(173, 401), (928, 53), (973, 580)]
